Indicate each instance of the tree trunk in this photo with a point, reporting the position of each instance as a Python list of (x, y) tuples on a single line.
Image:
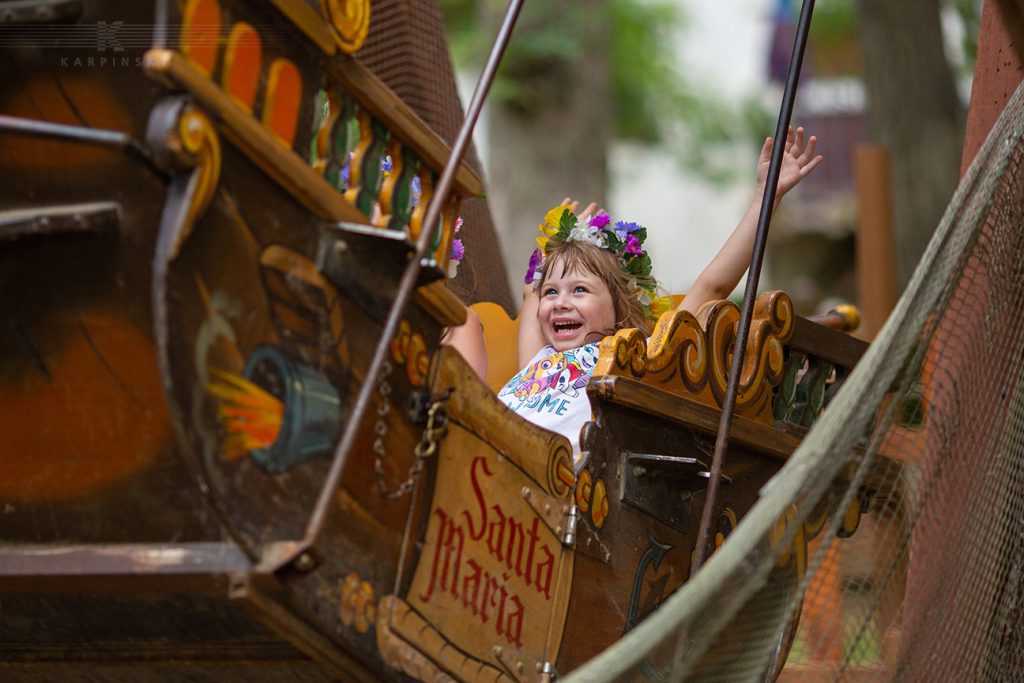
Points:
[(555, 143), (913, 110)]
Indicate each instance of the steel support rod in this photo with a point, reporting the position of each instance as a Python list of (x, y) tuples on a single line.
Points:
[(753, 276), (409, 276), (63, 131)]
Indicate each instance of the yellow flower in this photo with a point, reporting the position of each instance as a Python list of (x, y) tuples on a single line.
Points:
[(552, 219), (660, 305), (549, 228)]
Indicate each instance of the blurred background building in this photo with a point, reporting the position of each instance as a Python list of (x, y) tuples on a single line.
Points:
[(689, 178)]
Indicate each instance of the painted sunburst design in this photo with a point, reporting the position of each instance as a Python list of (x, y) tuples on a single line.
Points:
[(250, 415)]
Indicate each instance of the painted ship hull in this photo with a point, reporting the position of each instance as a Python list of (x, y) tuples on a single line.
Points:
[(192, 302)]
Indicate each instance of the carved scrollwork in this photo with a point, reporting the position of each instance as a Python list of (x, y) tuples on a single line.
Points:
[(184, 138), (691, 356), (349, 21), (763, 361)]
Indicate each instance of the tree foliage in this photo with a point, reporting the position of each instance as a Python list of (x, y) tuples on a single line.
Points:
[(653, 100)]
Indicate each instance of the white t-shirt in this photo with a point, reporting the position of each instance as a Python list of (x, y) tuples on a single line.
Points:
[(551, 391)]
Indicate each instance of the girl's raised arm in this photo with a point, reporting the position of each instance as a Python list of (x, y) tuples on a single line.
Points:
[(722, 275), (531, 340)]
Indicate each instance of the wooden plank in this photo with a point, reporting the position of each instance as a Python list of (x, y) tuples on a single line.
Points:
[(1012, 12), (439, 301), (280, 163), (201, 568), (830, 345), (997, 71), (309, 22), (775, 441), (877, 290), (635, 394)]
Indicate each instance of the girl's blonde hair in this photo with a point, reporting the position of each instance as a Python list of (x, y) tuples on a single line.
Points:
[(581, 256)]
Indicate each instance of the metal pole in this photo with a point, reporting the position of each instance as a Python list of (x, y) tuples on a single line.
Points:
[(753, 276), (63, 131), (408, 281)]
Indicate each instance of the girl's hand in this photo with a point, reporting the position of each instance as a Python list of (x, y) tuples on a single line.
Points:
[(797, 162), (575, 205)]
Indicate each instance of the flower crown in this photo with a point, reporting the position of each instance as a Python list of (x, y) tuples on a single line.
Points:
[(623, 239)]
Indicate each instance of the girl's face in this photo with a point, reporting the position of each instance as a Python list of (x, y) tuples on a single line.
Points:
[(575, 308)]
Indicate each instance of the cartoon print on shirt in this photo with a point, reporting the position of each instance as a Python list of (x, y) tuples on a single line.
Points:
[(541, 375), (551, 391), (566, 372)]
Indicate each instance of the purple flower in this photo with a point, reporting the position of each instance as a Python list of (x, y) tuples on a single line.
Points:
[(599, 220), (536, 258), (385, 164), (627, 227), (458, 251), (344, 175), (417, 190), (633, 245)]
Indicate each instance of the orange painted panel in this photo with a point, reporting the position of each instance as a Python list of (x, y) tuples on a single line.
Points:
[(281, 106), (200, 35), (242, 64), (100, 419)]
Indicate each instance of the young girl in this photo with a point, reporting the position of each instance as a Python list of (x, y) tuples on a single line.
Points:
[(594, 279)]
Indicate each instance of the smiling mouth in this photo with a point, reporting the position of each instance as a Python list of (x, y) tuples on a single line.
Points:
[(566, 327)]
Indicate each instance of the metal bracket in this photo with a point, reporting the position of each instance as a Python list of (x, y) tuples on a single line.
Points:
[(674, 467), (557, 515), (515, 666), (663, 486)]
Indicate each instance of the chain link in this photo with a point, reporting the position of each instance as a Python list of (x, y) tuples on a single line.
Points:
[(433, 433)]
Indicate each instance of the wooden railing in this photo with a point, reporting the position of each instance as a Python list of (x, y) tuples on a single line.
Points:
[(368, 159), (792, 368), (819, 357)]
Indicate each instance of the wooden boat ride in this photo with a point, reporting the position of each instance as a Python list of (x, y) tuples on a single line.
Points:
[(197, 263)]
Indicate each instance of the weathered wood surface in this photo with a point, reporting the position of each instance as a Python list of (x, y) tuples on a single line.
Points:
[(117, 449)]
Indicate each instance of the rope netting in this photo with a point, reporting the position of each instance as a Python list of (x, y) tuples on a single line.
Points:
[(926, 439)]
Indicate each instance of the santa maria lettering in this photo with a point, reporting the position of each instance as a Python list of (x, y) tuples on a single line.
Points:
[(483, 558)]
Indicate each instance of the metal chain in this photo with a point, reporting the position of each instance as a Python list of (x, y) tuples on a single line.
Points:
[(432, 434), (380, 430)]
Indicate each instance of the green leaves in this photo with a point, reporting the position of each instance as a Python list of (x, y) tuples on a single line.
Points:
[(566, 223), (640, 266), (654, 98)]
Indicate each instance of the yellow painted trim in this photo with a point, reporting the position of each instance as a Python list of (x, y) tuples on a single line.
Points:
[(285, 167), (349, 20)]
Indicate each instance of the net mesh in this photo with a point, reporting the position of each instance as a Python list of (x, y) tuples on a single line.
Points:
[(927, 437)]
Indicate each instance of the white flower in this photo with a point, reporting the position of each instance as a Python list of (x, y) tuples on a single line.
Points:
[(588, 234)]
